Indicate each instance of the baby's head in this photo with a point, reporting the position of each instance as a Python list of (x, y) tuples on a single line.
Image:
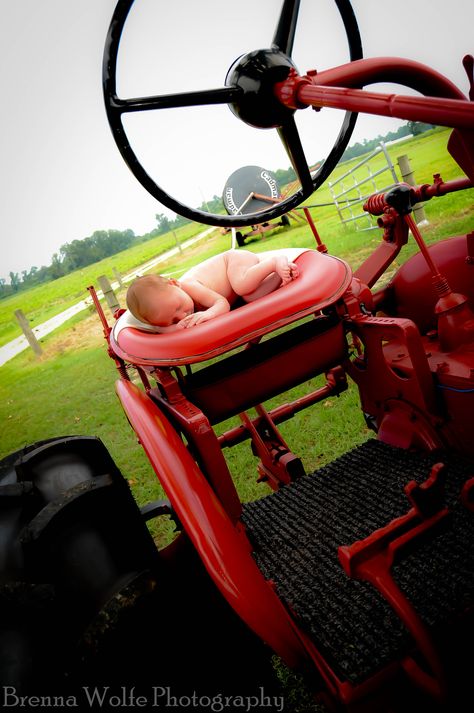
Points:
[(159, 301)]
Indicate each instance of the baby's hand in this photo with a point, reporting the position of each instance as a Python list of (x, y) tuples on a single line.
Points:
[(192, 319), (287, 270)]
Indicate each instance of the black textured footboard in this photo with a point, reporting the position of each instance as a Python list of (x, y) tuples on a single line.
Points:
[(297, 530)]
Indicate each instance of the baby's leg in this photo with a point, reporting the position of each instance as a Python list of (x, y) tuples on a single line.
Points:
[(246, 272), (252, 278), (239, 262)]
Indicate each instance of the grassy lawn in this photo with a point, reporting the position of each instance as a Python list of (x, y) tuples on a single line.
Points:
[(69, 390)]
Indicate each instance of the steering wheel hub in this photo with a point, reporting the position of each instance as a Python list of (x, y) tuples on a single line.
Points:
[(255, 74)]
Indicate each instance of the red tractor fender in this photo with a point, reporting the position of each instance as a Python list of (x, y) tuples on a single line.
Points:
[(224, 550)]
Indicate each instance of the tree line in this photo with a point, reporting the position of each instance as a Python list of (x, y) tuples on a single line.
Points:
[(71, 256), (410, 128), (86, 251)]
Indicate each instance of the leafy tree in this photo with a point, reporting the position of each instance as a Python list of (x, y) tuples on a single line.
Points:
[(14, 281), (101, 244), (285, 176), (215, 205), (358, 149), (164, 225), (42, 275), (56, 268), (419, 127)]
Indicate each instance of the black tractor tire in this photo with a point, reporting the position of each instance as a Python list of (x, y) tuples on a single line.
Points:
[(71, 538), (87, 600)]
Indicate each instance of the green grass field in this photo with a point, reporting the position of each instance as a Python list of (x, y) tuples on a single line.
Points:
[(69, 390)]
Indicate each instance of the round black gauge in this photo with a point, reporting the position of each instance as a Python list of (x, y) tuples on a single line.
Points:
[(250, 189)]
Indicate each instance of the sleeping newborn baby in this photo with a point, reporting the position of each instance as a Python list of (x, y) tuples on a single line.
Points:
[(208, 289)]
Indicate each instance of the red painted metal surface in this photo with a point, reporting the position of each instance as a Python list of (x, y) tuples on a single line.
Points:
[(395, 381), (411, 291), (455, 319), (389, 69), (224, 550), (453, 375), (443, 112), (276, 459), (335, 88), (320, 245), (395, 236), (194, 424), (467, 494), (228, 394)]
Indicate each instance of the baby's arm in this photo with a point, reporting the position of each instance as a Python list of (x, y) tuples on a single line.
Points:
[(202, 295)]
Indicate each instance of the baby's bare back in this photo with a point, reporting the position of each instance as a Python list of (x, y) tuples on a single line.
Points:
[(212, 273)]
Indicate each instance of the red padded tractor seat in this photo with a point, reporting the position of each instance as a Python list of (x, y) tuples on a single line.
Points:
[(323, 279)]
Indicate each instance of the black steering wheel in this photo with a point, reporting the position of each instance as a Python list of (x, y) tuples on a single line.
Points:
[(249, 93)]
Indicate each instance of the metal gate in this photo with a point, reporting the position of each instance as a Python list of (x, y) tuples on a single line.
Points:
[(348, 194)]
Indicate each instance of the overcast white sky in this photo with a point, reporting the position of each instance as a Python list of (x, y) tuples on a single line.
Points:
[(62, 176)]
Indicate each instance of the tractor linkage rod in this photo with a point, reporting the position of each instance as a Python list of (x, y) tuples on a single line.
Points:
[(443, 104)]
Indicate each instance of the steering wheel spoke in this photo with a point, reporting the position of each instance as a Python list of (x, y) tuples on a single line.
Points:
[(223, 95), (284, 36), (291, 141)]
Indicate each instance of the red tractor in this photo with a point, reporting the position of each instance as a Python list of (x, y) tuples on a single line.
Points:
[(359, 575)]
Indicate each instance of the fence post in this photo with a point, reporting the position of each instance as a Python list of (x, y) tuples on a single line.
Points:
[(108, 293), (409, 177), (28, 332), (118, 276), (177, 241)]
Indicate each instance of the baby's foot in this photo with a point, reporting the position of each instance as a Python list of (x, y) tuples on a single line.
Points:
[(286, 270)]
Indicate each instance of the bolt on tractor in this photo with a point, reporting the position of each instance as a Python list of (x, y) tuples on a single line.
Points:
[(360, 575)]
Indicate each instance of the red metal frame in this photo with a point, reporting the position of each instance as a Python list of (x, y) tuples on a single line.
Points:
[(223, 548), (399, 367), (371, 560)]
